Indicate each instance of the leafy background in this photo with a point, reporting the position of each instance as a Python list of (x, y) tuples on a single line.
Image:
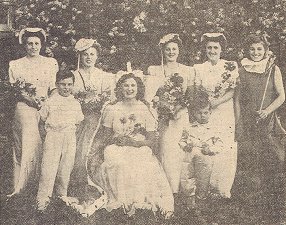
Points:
[(129, 30)]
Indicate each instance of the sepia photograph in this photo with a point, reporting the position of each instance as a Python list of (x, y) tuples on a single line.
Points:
[(142, 112)]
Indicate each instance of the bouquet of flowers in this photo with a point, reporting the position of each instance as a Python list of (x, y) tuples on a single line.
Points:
[(228, 81), (91, 100), (209, 146), (170, 96), (133, 129), (22, 88)]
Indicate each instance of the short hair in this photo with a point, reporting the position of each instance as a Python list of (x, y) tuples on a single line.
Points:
[(200, 103), (220, 39), (254, 39), (140, 87), (28, 34), (64, 74), (197, 98)]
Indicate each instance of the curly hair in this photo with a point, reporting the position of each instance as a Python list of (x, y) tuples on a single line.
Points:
[(255, 39), (140, 87)]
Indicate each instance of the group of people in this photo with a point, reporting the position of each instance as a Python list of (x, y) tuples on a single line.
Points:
[(106, 144)]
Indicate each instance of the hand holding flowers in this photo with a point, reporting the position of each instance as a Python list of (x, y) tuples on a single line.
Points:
[(26, 92), (133, 133), (209, 146), (91, 100), (169, 98)]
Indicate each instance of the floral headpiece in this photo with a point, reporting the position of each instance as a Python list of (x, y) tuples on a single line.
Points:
[(205, 36), (84, 43), (169, 38), (31, 30)]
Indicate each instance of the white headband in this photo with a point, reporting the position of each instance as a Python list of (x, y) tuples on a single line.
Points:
[(31, 30), (212, 35)]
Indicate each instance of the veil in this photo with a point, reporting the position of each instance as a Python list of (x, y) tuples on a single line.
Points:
[(95, 197)]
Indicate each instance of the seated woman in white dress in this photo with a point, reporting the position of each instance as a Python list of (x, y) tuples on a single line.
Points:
[(122, 161)]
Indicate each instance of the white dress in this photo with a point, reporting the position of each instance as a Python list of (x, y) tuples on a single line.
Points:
[(222, 117), (132, 176), (27, 141), (171, 154)]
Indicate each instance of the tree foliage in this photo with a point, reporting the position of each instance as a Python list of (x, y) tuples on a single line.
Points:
[(129, 30)]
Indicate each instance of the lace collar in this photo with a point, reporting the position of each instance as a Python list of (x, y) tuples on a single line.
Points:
[(254, 67)]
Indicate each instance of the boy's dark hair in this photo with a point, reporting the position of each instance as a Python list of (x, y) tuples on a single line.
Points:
[(64, 74), (200, 102), (197, 98)]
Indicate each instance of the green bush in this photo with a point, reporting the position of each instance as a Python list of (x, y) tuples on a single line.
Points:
[(129, 30)]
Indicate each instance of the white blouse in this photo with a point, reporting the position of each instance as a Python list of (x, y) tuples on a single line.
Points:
[(41, 73)]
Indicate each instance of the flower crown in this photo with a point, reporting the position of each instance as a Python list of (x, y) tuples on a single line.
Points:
[(205, 36), (169, 38), (84, 43), (31, 30)]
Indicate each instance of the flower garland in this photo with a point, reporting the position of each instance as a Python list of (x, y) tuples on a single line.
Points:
[(227, 83)]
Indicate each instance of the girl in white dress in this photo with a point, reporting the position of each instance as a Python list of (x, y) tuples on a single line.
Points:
[(219, 76), (170, 129), (41, 72)]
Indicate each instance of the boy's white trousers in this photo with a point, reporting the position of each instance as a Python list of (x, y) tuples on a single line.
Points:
[(57, 164)]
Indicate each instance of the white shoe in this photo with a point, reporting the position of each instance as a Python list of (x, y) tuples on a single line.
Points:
[(42, 204)]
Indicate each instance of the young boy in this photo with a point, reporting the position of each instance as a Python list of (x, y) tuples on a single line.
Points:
[(200, 142), (61, 112)]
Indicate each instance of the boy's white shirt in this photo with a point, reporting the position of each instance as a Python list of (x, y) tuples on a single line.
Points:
[(205, 133), (60, 112)]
